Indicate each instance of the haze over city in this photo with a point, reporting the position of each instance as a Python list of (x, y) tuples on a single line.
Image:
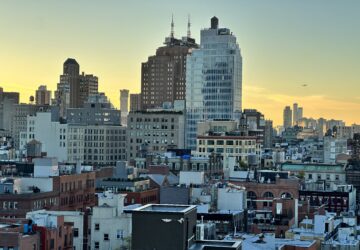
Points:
[(304, 52)]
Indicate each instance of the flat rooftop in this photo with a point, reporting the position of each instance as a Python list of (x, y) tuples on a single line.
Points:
[(200, 245), (165, 208)]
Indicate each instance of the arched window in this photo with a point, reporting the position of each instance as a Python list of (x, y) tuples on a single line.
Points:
[(286, 195), (251, 195), (268, 195)]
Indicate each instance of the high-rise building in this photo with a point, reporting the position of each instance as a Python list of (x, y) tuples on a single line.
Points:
[(163, 75), (269, 134), (73, 90), (7, 102), (42, 95), (135, 102), (300, 114), (295, 114), (71, 76), (287, 117), (213, 79), (62, 96), (124, 104), (97, 110), (88, 86)]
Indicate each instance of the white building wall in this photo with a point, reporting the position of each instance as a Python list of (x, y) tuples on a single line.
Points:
[(231, 199), (118, 228), (75, 217), (52, 135), (24, 185), (190, 177)]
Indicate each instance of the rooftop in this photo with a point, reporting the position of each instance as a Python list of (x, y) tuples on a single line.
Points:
[(165, 208), (200, 245)]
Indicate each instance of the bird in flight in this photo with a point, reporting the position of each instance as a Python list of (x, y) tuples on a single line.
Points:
[(304, 85)]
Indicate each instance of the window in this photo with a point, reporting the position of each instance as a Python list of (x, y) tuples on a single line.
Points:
[(328, 177), (337, 177), (97, 226), (52, 244), (76, 232), (310, 176), (120, 234), (97, 245), (268, 195), (106, 236)]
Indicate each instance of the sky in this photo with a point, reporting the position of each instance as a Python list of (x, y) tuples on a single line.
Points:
[(284, 43)]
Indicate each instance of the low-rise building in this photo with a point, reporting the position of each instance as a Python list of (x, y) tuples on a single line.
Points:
[(14, 236), (110, 226), (327, 176), (77, 219)]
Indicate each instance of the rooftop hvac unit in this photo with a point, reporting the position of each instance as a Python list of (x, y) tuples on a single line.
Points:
[(205, 231)]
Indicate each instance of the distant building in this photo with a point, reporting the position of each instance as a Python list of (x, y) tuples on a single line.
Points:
[(71, 77), (74, 89), (7, 102), (213, 79), (318, 176), (255, 123), (287, 117), (19, 119), (124, 103), (97, 110), (333, 147), (42, 96), (269, 134), (154, 132), (135, 102), (163, 76), (88, 87)]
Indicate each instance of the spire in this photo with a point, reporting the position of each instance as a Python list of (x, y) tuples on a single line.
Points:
[(188, 27), (172, 26)]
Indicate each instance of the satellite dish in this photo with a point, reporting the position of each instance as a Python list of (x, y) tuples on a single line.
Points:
[(31, 99)]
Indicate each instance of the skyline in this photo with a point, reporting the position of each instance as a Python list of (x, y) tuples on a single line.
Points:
[(283, 45)]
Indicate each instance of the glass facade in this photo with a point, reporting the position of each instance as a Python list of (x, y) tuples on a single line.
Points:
[(213, 80)]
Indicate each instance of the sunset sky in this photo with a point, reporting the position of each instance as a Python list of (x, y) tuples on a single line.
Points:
[(284, 45)]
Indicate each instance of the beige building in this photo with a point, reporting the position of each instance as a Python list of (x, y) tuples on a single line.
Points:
[(154, 131), (96, 145), (222, 137), (42, 96)]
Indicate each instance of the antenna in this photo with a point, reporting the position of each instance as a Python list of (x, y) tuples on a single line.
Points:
[(172, 26), (188, 27)]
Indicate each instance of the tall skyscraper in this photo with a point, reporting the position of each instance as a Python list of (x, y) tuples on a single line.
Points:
[(295, 114), (300, 114), (124, 102), (213, 79), (163, 75), (72, 78), (135, 102), (88, 86), (287, 117), (42, 95), (73, 90)]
